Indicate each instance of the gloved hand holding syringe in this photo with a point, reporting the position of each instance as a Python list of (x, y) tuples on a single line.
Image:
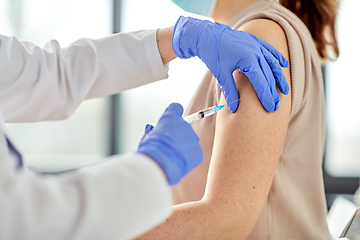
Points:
[(205, 113)]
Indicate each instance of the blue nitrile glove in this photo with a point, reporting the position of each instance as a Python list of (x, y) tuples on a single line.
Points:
[(173, 144), (224, 50)]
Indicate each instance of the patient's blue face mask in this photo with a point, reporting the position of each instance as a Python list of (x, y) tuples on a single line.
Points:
[(201, 7)]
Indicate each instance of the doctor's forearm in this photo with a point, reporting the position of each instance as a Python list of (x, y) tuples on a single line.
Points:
[(164, 42)]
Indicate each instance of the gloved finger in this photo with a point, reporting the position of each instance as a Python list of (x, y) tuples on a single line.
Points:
[(268, 74), (262, 89), (148, 128), (175, 108), (230, 91), (277, 72), (283, 61)]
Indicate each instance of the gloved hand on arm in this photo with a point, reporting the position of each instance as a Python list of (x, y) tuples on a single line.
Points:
[(224, 50), (173, 144)]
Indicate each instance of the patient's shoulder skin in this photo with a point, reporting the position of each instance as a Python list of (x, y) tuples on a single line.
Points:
[(247, 145)]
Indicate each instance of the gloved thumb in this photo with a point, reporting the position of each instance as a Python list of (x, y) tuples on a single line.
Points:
[(148, 128), (176, 109), (230, 92)]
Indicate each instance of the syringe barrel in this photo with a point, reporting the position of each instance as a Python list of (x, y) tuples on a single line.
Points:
[(193, 117), (208, 111), (200, 114)]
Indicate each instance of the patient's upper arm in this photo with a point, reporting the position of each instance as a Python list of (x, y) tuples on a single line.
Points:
[(248, 144)]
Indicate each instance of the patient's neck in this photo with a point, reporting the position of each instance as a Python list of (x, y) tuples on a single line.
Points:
[(226, 9)]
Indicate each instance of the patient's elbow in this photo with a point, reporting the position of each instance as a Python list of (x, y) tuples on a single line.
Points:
[(230, 221)]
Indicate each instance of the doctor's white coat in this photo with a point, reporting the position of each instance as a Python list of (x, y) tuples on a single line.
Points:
[(119, 199)]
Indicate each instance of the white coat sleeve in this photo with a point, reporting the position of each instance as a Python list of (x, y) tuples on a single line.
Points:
[(49, 83), (121, 198)]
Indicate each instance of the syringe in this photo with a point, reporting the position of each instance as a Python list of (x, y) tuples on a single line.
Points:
[(205, 113)]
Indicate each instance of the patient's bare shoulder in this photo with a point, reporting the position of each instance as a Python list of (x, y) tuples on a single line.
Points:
[(269, 31)]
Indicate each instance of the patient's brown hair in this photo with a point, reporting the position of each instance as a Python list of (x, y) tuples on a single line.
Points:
[(320, 18)]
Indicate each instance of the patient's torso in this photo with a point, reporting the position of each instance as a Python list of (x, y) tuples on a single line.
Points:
[(296, 205)]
